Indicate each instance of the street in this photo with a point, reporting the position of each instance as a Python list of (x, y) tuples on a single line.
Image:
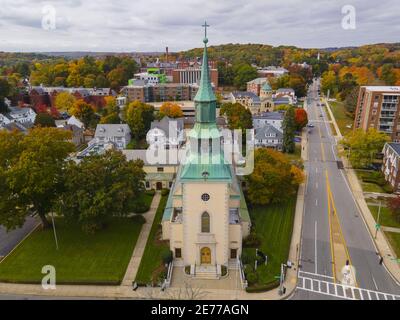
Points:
[(336, 245)]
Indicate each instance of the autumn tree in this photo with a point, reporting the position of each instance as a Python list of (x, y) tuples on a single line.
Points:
[(5, 89), (170, 109), (110, 112), (362, 147), (300, 118), (100, 187), (289, 128), (31, 170), (274, 179), (138, 116), (244, 73), (84, 112), (238, 116), (44, 119), (65, 101)]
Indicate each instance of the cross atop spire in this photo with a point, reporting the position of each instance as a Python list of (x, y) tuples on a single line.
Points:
[(205, 25)]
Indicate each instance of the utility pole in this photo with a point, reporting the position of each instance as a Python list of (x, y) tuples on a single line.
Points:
[(377, 226)]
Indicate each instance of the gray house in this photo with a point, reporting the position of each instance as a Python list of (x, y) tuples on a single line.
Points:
[(268, 136)]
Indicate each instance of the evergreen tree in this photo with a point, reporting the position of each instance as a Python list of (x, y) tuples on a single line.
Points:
[(289, 128)]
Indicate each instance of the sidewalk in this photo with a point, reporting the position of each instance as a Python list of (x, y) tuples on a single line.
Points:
[(134, 263), (381, 243)]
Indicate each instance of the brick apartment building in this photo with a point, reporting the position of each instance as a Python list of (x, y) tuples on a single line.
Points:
[(160, 92), (391, 164), (255, 85), (378, 107)]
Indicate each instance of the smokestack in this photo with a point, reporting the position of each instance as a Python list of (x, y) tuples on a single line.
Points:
[(166, 51)]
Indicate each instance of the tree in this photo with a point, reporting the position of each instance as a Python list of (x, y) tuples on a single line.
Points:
[(362, 146), (84, 112), (65, 101), (239, 117), (274, 179), (138, 116), (31, 171), (110, 111), (100, 187), (350, 101), (5, 89), (43, 119), (329, 82), (289, 128), (112, 118), (171, 110), (300, 118), (394, 207), (243, 74)]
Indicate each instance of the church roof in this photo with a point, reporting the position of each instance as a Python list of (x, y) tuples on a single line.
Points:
[(266, 87)]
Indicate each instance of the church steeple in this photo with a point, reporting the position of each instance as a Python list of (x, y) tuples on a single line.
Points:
[(205, 100)]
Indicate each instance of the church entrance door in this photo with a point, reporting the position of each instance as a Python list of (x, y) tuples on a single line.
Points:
[(159, 185), (205, 255)]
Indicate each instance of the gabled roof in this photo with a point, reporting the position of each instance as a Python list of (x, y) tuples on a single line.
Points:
[(395, 146), (269, 116), (164, 125), (112, 130), (264, 131)]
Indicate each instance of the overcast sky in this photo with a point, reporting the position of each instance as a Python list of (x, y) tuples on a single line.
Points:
[(150, 25)]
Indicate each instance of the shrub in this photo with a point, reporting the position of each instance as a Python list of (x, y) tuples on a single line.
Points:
[(269, 286), (140, 206), (252, 278), (139, 219), (164, 192), (167, 257), (387, 188), (246, 258), (187, 269), (252, 241), (151, 192)]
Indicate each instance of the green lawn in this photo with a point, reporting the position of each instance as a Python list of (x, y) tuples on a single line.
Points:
[(371, 187), (152, 256), (100, 258), (341, 117), (386, 218), (273, 225), (297, 153), (394, 239)]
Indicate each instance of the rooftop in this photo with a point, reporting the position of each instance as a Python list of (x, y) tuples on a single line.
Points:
[(383, 88), (259, 81), (269, 115), (395, 146), (112, 130)]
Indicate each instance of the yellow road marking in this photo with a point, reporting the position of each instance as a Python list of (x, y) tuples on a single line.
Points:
[(330, 227), (343, 240)]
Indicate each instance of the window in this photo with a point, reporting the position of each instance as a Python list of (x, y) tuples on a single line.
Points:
[(178, 253), (205, 197), (233, 253), (170, 184), (160, 169), (147, 184), (205, 222)]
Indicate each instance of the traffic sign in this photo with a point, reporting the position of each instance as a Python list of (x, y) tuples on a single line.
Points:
[(377, 226)]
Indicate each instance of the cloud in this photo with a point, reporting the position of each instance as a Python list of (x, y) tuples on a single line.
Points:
[(150, 25)]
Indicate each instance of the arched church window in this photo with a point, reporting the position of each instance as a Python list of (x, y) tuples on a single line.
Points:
[(205, 222)]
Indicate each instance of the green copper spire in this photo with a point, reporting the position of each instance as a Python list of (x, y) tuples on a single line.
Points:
[(205, 100)]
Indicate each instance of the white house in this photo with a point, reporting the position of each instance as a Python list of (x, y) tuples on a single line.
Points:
[(274, 119), (75, 121), (168, 132), (24, 116)]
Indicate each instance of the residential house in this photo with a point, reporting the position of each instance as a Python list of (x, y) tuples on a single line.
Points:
[(274, 119), (77, 133), (268, 136), (286, 93), (167, 132), (24, 116)]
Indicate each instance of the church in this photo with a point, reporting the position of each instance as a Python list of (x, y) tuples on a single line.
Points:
[(206, 216)]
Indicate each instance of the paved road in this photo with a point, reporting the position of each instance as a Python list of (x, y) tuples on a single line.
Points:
[(8, 240), (316, 252)]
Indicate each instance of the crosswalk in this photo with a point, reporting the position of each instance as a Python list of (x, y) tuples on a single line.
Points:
[(322, 284)]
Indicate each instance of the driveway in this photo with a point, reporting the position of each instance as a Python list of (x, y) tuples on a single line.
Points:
[(8, 240)]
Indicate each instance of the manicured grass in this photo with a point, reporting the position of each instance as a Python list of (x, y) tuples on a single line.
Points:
[(341, 117), (273, 225), (152, 256), (394, 239), (372, 181), (371, 187), (386, 218), (82, 258)]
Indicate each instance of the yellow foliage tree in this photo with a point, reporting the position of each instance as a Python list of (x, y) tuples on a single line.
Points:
[(171, 110)]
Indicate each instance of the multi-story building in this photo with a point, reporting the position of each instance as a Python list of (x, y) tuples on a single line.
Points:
[(247, 99), (391, 164), (143, 92), (256, 85), (191, 75), (272, 71), (378, 107)]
